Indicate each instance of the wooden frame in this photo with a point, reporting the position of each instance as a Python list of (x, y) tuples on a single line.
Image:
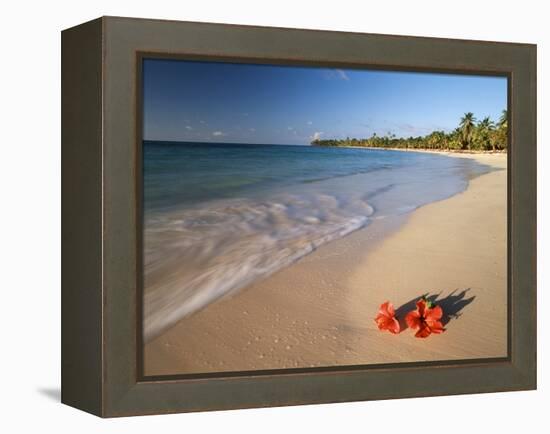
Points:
[(101, 228)]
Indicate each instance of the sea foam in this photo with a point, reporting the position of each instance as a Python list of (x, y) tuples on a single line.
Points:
[(194, 257)]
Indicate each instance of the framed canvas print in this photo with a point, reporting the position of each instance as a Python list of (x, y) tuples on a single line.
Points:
[(262, 216)]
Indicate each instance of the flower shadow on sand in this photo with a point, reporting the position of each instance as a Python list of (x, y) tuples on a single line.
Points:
[(452, 305)]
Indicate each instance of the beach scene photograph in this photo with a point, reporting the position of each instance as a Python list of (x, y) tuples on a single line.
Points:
[(312, 217)]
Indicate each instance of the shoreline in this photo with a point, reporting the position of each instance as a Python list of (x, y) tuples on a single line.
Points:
[(319, 311), (450, 152)]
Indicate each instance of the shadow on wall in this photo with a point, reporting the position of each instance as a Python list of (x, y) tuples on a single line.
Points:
[(51, 393)]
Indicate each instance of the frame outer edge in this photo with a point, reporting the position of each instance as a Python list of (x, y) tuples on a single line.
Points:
[(523, 196), (529, 365), (81, 211)]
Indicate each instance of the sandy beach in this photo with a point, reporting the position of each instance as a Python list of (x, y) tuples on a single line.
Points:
[(320, 310)]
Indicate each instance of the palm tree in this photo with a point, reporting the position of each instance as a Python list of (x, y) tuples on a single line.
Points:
[(467, 125), (484, 132), (441, 139), (503, 120), (502, 132)]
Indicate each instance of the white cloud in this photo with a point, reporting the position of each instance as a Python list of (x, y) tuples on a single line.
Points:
[(218, 133), (335, 74), (342, 74), (252, 129), (290, 128), (188, 128), (309, 123), (316, 135)]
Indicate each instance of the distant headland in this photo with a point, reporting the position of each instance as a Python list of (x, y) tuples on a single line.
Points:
[(470, 135)]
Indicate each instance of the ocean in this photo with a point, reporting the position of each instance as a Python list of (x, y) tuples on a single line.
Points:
[(219, 216)]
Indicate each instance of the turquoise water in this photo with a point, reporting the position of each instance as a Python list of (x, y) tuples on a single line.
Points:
[(220, 216), (186, 173)]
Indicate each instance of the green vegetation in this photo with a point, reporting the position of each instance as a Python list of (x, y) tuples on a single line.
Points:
[(470, 135)]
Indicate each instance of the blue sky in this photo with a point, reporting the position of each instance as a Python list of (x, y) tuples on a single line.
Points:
[(244, 103)]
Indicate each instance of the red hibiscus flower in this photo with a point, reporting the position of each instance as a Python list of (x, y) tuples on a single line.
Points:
[(426, 318), (386, 318)]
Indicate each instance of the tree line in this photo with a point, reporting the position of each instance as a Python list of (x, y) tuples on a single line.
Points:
[(471, 134)]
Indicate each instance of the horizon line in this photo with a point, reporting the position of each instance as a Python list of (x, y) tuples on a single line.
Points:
[(223, 143)]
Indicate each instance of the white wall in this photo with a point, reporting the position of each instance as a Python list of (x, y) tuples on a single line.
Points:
[(30, 213)]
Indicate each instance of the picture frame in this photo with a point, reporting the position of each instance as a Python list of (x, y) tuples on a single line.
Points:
[(101, 212)]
